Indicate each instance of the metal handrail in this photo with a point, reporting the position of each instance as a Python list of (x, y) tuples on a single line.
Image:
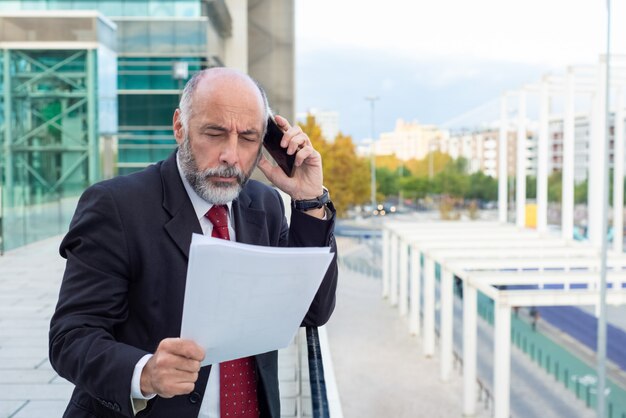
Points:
[(319, 397)]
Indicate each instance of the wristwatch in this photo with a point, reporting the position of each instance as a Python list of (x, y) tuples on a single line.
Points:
[(308, 204)]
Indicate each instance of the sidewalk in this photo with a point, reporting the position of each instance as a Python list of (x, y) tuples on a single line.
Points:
[(379, 368), (29, 284), (30, 278)]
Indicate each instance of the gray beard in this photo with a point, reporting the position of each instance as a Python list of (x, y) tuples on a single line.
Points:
[(216, 193)]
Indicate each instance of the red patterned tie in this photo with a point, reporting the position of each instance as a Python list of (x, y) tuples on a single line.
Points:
[(237, 377)]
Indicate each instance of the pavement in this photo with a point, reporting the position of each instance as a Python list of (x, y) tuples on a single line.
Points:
[(379, 369), (29, 284), (30, 278), (373, 351)]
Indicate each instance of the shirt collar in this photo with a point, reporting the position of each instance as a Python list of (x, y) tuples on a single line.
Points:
[(200, 206)]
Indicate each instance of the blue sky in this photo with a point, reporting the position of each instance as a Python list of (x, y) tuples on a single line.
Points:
[(432, 61)]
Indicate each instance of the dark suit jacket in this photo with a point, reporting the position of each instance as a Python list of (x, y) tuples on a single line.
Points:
[(122, 292)]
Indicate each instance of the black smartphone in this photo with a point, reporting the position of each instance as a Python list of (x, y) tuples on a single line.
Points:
[(271, 141)]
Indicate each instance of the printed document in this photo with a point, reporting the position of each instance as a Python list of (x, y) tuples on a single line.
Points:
[(242, 300)]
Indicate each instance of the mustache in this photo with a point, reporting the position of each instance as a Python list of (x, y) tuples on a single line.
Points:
[(225, 171)]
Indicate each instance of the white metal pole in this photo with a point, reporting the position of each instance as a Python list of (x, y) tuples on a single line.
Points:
[(386, 261), (393, 280), (542, 158), (403, 305), (502, 360), (618, 172), (414, 305), (469, 349), (520, 177), (429, 307), (601, 400), (446, 317), (502, 162), (567, 194), (372, 100), (597, 149)]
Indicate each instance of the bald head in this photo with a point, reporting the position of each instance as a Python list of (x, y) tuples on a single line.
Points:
[(222, 82)]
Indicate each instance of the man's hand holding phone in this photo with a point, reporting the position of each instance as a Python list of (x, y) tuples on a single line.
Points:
[(306, 178)]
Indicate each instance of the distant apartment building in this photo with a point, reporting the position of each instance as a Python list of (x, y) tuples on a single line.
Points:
[(581, 146), (410, 140), (327, 120), (481, 150)]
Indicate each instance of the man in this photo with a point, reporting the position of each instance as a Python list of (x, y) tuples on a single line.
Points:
[(114, 331)]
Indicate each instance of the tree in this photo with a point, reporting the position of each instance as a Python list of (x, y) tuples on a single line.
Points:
[(415, 187), (386, 181), (482, 187), (555, 187), (346, 175), (435, 160), (580, 192)]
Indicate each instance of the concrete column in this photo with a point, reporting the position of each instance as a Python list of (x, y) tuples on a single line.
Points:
[(618, 173), (393, 281), (414, 299), (386, 261), (447, 323), (403, 305), (502, 360), (469, 349), (597, 148), (429, 307), (542, 158), (567, 198), (520, 177), (236, 45), (502, 163)]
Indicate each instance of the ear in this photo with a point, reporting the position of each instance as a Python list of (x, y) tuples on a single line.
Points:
[(177, 124)]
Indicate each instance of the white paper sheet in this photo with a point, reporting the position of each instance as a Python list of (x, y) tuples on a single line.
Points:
[(242, 300)]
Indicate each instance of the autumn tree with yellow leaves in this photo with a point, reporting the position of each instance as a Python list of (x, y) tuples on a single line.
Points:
[(346, 175)]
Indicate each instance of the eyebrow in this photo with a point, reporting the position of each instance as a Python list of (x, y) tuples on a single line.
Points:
[(210, 126)]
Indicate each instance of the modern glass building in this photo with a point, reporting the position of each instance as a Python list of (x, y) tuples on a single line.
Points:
[(89, 88)]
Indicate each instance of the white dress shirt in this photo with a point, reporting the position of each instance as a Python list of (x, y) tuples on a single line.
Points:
[(210, 407)]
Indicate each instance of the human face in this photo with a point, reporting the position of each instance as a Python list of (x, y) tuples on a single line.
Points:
[(222, 144), (215, 192)]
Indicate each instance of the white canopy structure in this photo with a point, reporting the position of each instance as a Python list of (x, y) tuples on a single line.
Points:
[(486, 256)]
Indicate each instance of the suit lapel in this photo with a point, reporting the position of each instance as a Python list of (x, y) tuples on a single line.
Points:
[(176, 202), (250, 226)]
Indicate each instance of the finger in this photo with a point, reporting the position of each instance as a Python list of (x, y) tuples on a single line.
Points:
[(270, 171), (282, 123), (303, 154), (189, 349), (296, 144), (187, 365)]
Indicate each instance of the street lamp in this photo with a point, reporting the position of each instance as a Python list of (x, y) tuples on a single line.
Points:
[(372, 100)]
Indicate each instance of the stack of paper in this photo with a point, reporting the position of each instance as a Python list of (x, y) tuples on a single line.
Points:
[(242, 300)]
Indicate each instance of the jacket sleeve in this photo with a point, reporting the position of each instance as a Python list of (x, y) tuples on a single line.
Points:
[(308, 231), (93, 300)]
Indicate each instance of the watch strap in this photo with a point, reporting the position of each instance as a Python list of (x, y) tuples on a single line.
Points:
[(308, 204)]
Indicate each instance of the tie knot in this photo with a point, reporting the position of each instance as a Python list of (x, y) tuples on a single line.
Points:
[(218, 215)]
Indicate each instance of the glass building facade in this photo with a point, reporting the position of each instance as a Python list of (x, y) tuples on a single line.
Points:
[(57, 105), (88, 89)]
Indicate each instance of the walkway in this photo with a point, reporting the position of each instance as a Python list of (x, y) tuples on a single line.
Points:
[(379, 369), (373, 352), (30, 277)]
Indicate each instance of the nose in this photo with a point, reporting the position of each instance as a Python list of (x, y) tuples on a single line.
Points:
[(229, 153)]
